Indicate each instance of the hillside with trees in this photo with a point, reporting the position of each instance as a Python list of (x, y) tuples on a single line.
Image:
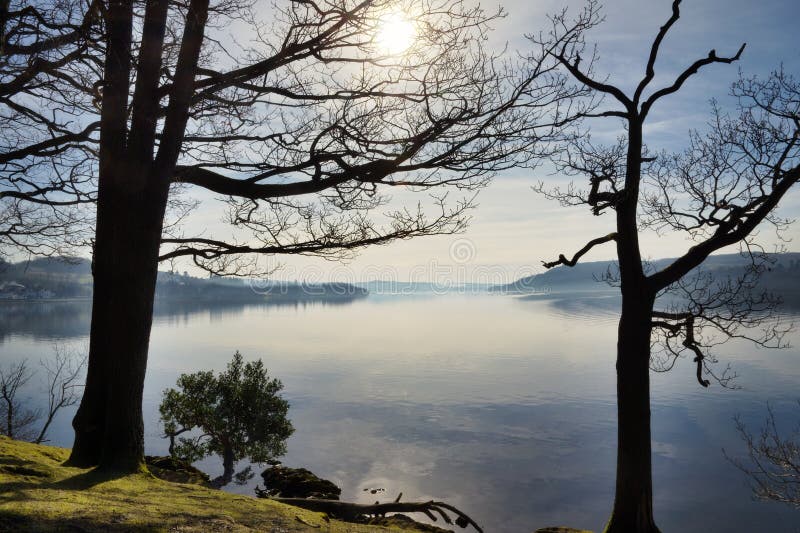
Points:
[(782, 277), (71, 278)]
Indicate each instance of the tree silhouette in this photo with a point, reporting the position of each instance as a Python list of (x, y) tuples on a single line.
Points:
[(726, 183), (293, 115)]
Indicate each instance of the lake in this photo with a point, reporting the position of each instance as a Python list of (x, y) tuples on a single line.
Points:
[(503, 406)]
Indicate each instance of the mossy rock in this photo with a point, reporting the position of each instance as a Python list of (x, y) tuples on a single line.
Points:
[(297, 483), (177, 471)]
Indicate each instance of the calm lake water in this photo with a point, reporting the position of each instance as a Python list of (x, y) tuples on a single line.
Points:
[(500, 405)]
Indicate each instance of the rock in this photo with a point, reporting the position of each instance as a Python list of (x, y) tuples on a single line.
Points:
[(403, 522), (296, 483), (177, 471)]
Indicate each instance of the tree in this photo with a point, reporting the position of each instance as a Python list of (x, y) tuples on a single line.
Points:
[(17, 420), (726, 183), (300, 121), (48, 88), (239, 413), (773, 462), (63, 372)]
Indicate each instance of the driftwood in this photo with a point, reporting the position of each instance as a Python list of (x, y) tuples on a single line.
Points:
[(353, 511)]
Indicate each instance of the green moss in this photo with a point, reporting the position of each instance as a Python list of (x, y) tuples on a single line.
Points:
[(38, 493)]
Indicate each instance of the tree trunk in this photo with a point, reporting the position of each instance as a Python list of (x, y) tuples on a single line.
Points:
[(89, 422), (109, 429), (90, 419), (10, 419), (633, 500), (228, 463), (132, 198)]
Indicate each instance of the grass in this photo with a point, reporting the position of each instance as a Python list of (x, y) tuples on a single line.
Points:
[(38, 493)]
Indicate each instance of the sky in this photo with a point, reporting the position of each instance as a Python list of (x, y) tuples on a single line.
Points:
[(514, 229)]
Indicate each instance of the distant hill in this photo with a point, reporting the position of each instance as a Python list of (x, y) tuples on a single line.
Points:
[(783, 277), (46, 278), (393, 287), (62, 278), (172, 286)]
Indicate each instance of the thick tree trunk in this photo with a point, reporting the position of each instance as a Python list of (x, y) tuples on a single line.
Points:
[(135, 269), (89, 421), (108, 427), (132, 198)]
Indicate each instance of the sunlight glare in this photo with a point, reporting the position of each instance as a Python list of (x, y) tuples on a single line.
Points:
[(396, 34)]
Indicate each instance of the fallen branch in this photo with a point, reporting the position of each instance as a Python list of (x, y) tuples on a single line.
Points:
[(352, 511)]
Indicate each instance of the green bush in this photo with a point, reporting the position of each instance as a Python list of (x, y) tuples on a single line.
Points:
[(238, 414)]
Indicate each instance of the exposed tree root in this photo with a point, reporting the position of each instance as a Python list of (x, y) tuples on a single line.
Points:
[(354, 512)]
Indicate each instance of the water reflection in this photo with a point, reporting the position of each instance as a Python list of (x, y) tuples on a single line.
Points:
[(176, 311), (46, 321), (593, 306), (501, 405), (60, 320)]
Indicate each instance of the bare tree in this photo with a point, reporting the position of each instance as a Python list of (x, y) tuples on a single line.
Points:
[(773, 462), (48, 90), (18, 420), (727, 182), (293, 114), (64, 372)]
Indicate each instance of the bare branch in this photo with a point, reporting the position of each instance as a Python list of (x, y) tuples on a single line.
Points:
[(773, 466), (686, 74), (17, 420), (562, 260), (63, 380), (651, 62)]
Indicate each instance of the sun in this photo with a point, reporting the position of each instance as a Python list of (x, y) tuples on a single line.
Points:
[(396, 34)]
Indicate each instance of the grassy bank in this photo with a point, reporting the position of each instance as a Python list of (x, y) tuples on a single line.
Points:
[(37, 493)]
